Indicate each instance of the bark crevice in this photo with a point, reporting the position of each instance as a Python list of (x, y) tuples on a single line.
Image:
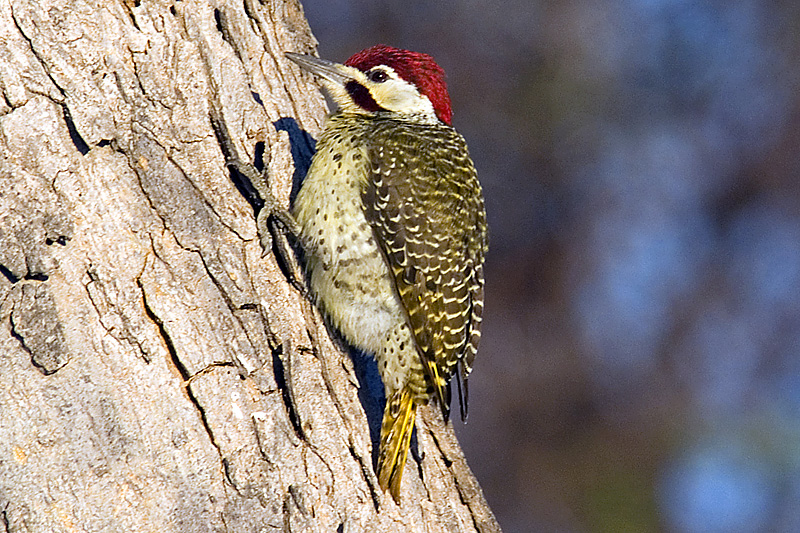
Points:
[(179, 366)]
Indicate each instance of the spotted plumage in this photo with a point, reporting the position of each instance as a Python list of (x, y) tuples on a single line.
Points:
[(392, 221)]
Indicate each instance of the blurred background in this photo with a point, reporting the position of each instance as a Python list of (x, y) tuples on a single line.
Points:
[(640, 365)]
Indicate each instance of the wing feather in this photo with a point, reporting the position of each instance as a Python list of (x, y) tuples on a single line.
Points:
[(426, 210)]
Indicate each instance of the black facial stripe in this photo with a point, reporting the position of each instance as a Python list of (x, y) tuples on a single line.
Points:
[(362, 97)]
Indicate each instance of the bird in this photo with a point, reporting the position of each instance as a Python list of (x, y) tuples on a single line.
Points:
[(392, 224)]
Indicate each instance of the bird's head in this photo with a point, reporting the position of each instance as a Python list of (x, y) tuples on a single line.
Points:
[(384, 79)]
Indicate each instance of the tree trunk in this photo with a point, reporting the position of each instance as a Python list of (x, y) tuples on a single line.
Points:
[(158, 373)]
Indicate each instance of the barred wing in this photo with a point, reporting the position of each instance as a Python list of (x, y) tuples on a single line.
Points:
[(426, 211)]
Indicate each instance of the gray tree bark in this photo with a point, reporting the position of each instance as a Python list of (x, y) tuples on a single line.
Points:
[(156, 373)]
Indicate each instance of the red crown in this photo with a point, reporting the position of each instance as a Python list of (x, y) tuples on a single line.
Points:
[(414, 67)]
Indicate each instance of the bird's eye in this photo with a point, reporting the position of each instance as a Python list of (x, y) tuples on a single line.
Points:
[(377, 75)]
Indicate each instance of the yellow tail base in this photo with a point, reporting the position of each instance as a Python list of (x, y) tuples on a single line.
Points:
[(396, 429)]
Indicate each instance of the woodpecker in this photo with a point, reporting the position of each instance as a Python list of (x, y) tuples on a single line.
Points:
[(392, 222)]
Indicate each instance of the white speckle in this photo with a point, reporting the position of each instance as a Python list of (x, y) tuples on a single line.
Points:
[(237, 411)]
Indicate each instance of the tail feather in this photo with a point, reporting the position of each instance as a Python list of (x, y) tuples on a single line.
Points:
[(396, 430)]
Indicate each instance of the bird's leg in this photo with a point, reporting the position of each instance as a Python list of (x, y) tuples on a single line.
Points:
[(274, 223)]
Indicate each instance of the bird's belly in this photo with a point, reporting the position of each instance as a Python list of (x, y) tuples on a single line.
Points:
[(347, 273), (359, 307)]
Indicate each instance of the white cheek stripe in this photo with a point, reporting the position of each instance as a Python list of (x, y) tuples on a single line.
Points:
[(399, 96)]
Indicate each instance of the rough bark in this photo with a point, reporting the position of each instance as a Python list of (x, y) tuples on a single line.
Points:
[(157, 373)]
